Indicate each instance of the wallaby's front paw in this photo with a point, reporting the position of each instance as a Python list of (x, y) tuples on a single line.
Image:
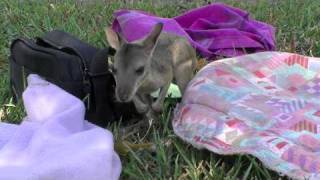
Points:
[(142, 109), (151, 115), (156, 107)]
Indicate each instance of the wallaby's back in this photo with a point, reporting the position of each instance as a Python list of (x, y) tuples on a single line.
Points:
[(173, 49), (176, 52)]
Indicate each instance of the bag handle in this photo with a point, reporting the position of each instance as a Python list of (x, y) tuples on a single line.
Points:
[(73, 51), (66, 49)]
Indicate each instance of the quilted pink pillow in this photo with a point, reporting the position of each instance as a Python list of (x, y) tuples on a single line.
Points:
[(264, 104)]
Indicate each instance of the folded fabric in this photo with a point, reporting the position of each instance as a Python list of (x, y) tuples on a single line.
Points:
[(54, 141), (264, 104), (214, 30)]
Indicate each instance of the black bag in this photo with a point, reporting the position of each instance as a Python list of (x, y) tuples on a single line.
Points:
[(73, 65)]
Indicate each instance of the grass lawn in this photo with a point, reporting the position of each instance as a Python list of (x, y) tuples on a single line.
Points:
[(298, 30)]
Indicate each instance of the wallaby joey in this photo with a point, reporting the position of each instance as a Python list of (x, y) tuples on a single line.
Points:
[(148, 64)]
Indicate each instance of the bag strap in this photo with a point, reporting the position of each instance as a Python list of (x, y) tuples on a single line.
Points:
[(67, 49), (63, 39), (87, 53), (70, 44), (90, 56)]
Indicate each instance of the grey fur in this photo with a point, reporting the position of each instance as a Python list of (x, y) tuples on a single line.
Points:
[(164, 57)]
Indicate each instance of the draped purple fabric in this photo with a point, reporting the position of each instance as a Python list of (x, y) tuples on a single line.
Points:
[(214, 30)]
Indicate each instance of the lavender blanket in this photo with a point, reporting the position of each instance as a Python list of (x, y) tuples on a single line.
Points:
[(54, 142), (214, 30)]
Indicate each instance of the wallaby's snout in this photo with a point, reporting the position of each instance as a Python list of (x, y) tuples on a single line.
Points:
[(125, 85), (122, 95)]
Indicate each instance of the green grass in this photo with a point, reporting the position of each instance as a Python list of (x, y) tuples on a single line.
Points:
[(298, 30)]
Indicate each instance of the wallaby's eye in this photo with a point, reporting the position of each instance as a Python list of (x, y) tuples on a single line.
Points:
[(113, 70), (140, 70)]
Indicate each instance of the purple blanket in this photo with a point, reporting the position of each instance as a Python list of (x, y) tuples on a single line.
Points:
[(54, 141), (214, 30)]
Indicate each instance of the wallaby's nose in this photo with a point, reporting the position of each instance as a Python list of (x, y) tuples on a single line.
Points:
[(123, 98), (123, 95)]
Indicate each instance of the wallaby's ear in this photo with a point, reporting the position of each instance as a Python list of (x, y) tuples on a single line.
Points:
[(113, 38), (152, 38)]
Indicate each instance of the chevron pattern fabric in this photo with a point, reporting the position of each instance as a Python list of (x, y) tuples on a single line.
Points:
[(264, 104)]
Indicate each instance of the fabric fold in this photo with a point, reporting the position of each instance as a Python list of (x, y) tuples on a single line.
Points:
[(54, 141), (214, 30)]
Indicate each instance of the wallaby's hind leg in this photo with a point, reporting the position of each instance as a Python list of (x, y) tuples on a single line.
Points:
[(158, 104), (183, 74)]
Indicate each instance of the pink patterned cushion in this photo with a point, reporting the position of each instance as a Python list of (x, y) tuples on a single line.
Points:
[(264, 104)]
